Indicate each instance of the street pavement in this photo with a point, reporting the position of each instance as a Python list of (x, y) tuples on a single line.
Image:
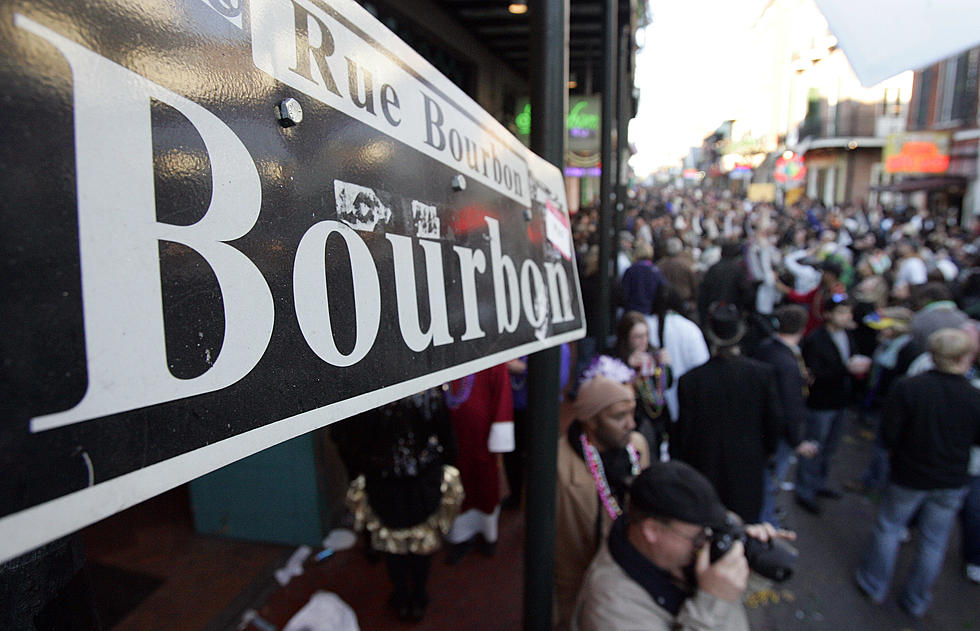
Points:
[(822, 593), (483, 594)]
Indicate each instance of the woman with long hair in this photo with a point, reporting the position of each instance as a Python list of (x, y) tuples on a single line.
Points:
[(653, 376)]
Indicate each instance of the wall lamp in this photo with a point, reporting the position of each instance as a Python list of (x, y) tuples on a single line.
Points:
[(518, 7)]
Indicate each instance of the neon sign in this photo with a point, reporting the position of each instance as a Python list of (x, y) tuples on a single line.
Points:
[(580, 124)]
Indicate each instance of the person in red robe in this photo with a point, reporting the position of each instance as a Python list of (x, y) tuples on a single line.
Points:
[(482, 411)]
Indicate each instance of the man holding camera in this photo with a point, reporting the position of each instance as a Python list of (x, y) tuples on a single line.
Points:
[(654, 571)]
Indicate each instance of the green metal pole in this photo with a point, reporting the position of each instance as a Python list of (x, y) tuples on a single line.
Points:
[(549, 103), (607, 179)]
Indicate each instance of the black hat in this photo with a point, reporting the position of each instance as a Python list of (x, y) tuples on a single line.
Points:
[(725, 326), (833, 266), (676, 490), (731, 249)]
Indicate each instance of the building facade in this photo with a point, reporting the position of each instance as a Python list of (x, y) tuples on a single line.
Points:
[(934, 164)]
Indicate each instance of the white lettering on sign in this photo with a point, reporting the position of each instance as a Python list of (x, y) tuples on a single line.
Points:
[(122, 297), (471, 262), (312, 49), (119, 242), (312, 302), (561, 295), (408, 307), (505, 289)]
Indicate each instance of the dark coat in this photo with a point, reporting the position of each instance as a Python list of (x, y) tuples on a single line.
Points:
[(832, 383), (928, 425), (730, 422), (639, 286), (791, 383)]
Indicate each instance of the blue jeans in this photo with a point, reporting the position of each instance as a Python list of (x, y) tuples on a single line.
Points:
[(875, 476), (937, 511), (970, 523), (825, 427), (773, 475)]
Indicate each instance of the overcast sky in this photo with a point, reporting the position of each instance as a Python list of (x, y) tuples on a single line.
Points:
[(689, 75)]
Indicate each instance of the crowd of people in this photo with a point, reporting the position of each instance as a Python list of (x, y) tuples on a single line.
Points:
[(746, 337), (774, 328)]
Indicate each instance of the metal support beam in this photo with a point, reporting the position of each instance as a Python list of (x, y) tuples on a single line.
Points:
[(624, 95), (549, 103), (607, 179)]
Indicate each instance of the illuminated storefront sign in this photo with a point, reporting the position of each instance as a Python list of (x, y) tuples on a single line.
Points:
[(917, 152), (583, 118)]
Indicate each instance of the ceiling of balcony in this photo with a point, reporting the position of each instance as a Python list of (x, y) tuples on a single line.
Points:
[(508, 35)]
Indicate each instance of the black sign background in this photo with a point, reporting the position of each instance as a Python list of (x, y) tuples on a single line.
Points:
[(203, 57)]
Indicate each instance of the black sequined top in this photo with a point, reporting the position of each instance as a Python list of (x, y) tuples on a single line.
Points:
[(400, 449)]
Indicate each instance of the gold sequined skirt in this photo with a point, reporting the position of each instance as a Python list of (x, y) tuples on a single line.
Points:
[(423, 538)]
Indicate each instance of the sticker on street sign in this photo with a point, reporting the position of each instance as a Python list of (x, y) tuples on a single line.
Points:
[(559, 230), (228, 224)]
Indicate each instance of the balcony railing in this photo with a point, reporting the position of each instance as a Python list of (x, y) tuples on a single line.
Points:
[(848, 119)]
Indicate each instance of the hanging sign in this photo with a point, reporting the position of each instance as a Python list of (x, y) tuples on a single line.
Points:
[(226, 224), (789, 168)]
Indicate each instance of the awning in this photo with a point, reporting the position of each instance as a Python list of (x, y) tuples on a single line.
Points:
[(937, 183), (838, 142)]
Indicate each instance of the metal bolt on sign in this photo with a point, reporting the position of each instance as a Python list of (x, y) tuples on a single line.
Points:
[(459, 183), (289, 112)]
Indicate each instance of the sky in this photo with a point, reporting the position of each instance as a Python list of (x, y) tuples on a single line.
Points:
[(689, 75), (693, 67)]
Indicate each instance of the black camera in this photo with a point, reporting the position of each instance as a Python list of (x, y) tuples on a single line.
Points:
[(773, 559)]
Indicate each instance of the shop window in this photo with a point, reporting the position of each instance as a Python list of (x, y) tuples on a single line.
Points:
[(958, 89), (922, 97), (891, 102)]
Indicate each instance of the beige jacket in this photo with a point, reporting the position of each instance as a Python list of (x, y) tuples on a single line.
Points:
[(611, 601), (575, 527)]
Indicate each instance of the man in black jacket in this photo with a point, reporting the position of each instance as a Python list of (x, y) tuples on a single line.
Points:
[(730, 418), (828, 354), (781, 351), (929, 423)]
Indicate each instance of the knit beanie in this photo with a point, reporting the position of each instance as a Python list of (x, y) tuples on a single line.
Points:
[(597, 394)]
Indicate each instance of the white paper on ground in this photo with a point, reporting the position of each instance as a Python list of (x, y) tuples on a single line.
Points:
[(340, 539), (294, 567), (325, 612)]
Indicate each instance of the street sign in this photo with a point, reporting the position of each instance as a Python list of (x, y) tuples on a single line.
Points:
[(227, 224)]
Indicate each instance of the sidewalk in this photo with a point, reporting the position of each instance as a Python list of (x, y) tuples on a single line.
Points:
[(207, 583)]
